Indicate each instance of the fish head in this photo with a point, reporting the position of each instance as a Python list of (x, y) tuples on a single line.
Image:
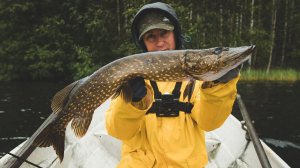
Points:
[(210, 64)]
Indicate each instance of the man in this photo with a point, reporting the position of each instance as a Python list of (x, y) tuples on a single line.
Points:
[(162, 127)]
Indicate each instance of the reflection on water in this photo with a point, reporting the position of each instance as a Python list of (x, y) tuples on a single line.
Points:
[(23, 107), (273, 106)]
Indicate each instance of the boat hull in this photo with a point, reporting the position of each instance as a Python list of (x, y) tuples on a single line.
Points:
[(227, 146)]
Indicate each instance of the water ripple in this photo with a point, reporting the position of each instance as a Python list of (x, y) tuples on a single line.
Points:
[(13, 138), (7, 99), (281, 143), (24, 110)]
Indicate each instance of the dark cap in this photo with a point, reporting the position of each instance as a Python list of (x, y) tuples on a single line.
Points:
[(154, 20)]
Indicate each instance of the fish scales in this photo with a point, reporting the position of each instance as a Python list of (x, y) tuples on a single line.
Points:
[(78, 101)]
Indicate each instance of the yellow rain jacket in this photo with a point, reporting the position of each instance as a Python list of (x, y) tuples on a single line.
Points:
[(160, 142)]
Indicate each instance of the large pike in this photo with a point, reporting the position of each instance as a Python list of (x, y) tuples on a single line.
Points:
[(78, 100)]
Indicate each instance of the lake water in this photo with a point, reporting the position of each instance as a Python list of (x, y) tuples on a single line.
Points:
[(274, 106)]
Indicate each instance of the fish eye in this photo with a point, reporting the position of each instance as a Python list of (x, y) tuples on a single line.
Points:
[(218, 50)]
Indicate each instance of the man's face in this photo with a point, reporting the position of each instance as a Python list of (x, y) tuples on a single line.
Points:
[(159, 40)]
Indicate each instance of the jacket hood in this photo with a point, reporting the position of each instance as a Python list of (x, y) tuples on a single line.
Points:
[(168, 11)]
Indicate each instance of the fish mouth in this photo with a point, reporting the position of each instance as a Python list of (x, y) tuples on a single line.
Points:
[(234, 57), (226, 60)]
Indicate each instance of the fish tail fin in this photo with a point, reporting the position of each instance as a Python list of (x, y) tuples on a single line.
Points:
[(80, 125), (55, 138), (125, 91)]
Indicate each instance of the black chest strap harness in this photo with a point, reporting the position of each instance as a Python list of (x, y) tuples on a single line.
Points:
[(168, 105)]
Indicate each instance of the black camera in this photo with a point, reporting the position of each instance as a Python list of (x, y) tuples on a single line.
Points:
[(167, 106)]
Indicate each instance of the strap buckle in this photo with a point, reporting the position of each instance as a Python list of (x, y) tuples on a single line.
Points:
[(167, 106)]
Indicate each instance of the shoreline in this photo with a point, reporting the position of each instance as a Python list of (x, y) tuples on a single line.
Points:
[(288, 75)]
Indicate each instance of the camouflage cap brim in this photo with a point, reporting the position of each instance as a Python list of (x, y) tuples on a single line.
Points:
[(157, 26), (154, 20)]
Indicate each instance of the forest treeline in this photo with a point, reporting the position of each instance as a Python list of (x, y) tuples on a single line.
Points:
[(69, 39)]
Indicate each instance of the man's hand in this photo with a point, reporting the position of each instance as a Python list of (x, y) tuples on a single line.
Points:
[(223, 79), (229, 75), (138, 88)]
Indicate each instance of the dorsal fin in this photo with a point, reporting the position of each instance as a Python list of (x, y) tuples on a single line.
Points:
[(60, 99)]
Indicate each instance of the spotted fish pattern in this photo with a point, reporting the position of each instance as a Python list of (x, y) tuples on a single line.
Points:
[(78, 100)]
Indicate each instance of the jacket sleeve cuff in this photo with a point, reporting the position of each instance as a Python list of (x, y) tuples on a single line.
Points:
[(146, 102), (220, 90), (129, 110)]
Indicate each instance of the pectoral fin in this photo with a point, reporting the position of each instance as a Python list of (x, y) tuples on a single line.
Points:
[(188, 91)]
